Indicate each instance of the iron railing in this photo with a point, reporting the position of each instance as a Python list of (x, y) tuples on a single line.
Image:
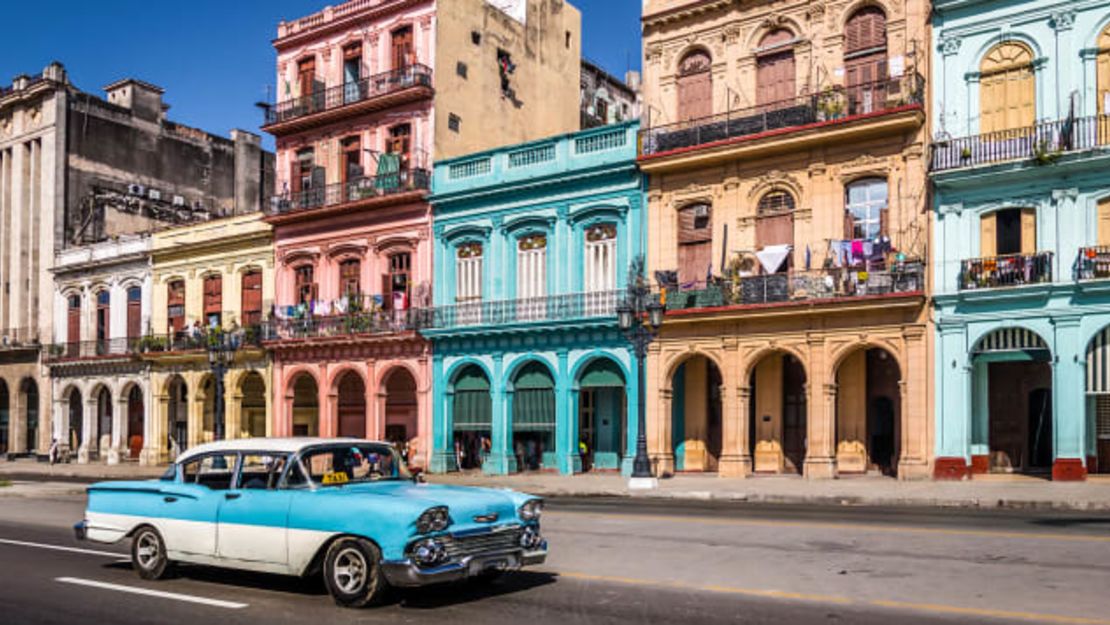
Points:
[(19, 338), (198, 339), (1044, 143), (834, 103), (528, 310), (993, 272), (416, 75), (79, 350), (796, 286), (352, 191), (1093, 263), (362, 322)]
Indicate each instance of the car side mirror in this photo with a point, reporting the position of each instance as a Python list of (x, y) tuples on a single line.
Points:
[(418, 475)]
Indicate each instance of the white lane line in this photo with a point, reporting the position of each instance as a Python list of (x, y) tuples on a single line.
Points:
[(91, 552), (218, 603)]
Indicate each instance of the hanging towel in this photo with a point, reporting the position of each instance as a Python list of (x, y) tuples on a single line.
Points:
[(772, 257), (341, 306)]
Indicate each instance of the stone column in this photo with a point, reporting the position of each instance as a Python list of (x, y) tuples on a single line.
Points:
[(631, 417), (377, 423), (820, 459), (88, 417), (118, 439), (738, 461), (195, 409), (501, 459), (1069, 421), (953, 404), (154, 440), (566, 427), (329, 419), (443, 445)]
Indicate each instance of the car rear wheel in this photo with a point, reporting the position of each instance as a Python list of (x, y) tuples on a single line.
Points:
[(353, 573), (148, 554)]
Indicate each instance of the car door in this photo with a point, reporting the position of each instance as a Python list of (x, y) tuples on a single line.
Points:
[(191, 507), (254, 512)]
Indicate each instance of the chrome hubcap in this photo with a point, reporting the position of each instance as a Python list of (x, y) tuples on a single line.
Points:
[(147, 551), (350, 570)]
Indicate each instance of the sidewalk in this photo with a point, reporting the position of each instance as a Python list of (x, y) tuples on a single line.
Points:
[(983, 492)]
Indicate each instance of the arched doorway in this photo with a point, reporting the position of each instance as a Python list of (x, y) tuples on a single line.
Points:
[(252, 409), (177, 417), (102, 440), (5, 418), (136, 416), (1012, 403), (533, 425), (400, 411), (696, 415), (778, 414), (306, 406), (29, 392), (602, 415), (75, 430), (471, 417), (868, 412), (352, 405)]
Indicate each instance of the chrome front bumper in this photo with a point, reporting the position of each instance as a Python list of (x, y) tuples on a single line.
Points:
[(81, 529), (405, 573)]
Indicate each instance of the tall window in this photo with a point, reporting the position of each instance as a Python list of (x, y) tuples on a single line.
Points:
[(134, 312), (73, 319), (601, 258), (175, 308), (305, 284), (350, 277), (774, 223), (865, 58), (252, 297), (695, 86), (306, 76), (468, 273), (695, 242), (213, 300), (775, 69), (395, 284), (352, 158), (404, 53), (1009, 231), (1007, 88), (866, 209), (352, 72), (103, 315), (1104, 74), (400, 143), (301, 170), (531, 276)]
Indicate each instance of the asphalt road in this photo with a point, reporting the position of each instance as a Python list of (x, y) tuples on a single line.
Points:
[(623, 561)]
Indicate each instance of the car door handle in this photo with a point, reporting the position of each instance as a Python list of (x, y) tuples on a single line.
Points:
[(231, 495), (169, 499)]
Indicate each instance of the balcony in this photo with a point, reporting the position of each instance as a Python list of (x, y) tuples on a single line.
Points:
[(89, 350), (1009, 270), (481, 315), (355, 324), (1043, 143), (197, 340), (398, 86), (835, 105), (1093, 263), (365, 191), (19, 339), (815, 287)]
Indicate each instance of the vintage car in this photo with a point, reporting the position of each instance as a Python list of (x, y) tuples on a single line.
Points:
[(345, 508)]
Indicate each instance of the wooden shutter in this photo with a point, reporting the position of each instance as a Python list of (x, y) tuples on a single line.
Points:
[(387, 290), (402, 48), (213, 294), (252, 298), (295, 175), (73, 320), (176, 305), (695, 86), (1104, 72), (134, 313), (695, 242), (1007, 90), (866, 29), (1103, 224), (884, 221), (693, 261), (1028, 231), (988, 235), (775, 70), (306, 76), (775, 220)]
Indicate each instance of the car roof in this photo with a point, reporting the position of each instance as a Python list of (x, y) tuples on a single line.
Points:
[(287, 445)]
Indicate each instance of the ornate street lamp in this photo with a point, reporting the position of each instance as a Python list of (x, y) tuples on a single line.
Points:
[(221, 354), (639, 317)]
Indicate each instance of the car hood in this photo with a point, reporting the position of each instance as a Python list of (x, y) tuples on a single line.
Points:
[(464, 502)]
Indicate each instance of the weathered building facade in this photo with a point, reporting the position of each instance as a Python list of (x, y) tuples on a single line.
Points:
[(785, 151), (1022, 205), (532, 247), (607, 99)]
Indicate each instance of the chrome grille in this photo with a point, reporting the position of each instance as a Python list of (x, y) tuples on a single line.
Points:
[(490, 542)]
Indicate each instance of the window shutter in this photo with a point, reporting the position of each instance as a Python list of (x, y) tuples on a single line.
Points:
[(849, 224), (1028, 231), (1104, 222), (884, 222), (988, 235), (387, 291), (295, 175)]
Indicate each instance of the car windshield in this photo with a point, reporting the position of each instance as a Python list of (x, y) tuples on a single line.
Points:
[(335, 465)]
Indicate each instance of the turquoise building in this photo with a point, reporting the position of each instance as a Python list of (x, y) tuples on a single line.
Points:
[(532, 246), (1021, 267)]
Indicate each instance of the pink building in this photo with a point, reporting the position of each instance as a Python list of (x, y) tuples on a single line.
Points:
[(360, 113)]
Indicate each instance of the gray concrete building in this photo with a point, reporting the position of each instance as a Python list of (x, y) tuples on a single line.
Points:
[(606, 99)]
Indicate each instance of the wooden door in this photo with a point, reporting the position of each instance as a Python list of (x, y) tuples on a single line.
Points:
[(403, 50), (1007, 89), (252, 298), (775, 220), (306, 76), (775, 69), (134, 312), (695, 243), (695, 86), (352, 159), (176, 306), (73, 324), (213, 299), (400, 143)]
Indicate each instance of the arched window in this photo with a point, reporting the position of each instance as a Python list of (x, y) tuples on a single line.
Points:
[(695, 86), (865, 216), (865, 59), (775, 69), (1007, 88), (695, 242), (396, 284), (774, 223)]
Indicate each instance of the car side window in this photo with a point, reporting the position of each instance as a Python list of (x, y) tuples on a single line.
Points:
[(213, 471), (260, 471), (295, 477)]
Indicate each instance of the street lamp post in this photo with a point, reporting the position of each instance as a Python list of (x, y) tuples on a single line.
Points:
[(639, 317), (221, 353)]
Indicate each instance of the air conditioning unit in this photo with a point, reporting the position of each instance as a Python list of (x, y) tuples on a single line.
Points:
[(178, 200), (136, 189), (155, 194), (701, 211)]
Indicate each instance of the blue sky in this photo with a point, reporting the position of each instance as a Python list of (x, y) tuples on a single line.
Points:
[(213, 57)]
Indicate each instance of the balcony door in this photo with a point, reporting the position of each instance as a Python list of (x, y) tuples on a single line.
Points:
[(695, 86), (531, 276), (1007, 232), (775, 70), (103, 316), (73, 321), (175, 306), (1007, 88), (404, 53), (252, 298), (774, 225), (468, 282), (865, 64), (134, 312), (600, 275), (695, 243), (213, 300)]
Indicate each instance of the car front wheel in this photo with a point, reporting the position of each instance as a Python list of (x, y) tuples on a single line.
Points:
[(353, 573), (148, 554)]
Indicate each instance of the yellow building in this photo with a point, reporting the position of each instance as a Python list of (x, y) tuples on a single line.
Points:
[(212, 281), (788, 226)]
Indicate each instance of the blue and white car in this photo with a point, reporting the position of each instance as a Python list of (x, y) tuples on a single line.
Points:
[(345, 508)]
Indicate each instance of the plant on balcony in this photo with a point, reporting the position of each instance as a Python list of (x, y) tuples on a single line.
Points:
[(57, 350), (965, 153), (830, 104), (1044, 154), (152, 344)]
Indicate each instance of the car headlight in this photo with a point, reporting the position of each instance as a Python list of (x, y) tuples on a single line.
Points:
[(531, 510), (433, 520)]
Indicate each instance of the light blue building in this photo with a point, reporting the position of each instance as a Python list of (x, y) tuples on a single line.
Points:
[(532, 246), (1021, 265)]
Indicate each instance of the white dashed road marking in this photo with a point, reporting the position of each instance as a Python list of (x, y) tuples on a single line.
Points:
[(217, 603)]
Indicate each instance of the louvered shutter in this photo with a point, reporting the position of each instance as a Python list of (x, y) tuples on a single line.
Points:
[(988, 235), (1028, 231)]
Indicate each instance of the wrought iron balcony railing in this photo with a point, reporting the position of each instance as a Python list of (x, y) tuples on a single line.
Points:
[(1005, 271), (198, 340), (356, 190), (530, 310), (19, 339), (81, 350), (830, 105), (350, 324), (332, 98), (1044, 143), (1093, 263), (799, 286)]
